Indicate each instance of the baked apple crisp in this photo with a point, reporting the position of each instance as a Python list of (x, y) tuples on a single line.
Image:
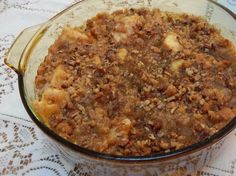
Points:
[(138, 82)]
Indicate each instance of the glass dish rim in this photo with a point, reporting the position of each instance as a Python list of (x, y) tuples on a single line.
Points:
[(128, 159)]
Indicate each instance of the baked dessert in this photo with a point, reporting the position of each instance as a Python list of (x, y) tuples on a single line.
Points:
[(138, 82)]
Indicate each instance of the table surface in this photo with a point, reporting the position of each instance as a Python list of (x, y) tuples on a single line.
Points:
[(24, 150)]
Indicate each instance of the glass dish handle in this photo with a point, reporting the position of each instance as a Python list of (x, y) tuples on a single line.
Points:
[(14, 54)]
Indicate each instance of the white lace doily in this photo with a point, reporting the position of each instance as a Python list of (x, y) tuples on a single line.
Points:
[(25, 150)]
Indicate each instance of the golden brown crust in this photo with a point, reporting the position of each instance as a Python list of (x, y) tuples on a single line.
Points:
[(137, 82)]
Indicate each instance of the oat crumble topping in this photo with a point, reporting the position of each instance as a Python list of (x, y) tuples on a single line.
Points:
[(137, 82)]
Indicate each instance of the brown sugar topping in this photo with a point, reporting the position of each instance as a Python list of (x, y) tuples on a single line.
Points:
[(137, 82)]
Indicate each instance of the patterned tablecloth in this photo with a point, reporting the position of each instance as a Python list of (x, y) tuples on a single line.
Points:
[(24, 150)]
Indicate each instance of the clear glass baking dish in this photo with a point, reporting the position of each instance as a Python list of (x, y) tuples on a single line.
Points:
[(31, 47)]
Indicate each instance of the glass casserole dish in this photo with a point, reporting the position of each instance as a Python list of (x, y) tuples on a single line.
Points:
[(31, 47)]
